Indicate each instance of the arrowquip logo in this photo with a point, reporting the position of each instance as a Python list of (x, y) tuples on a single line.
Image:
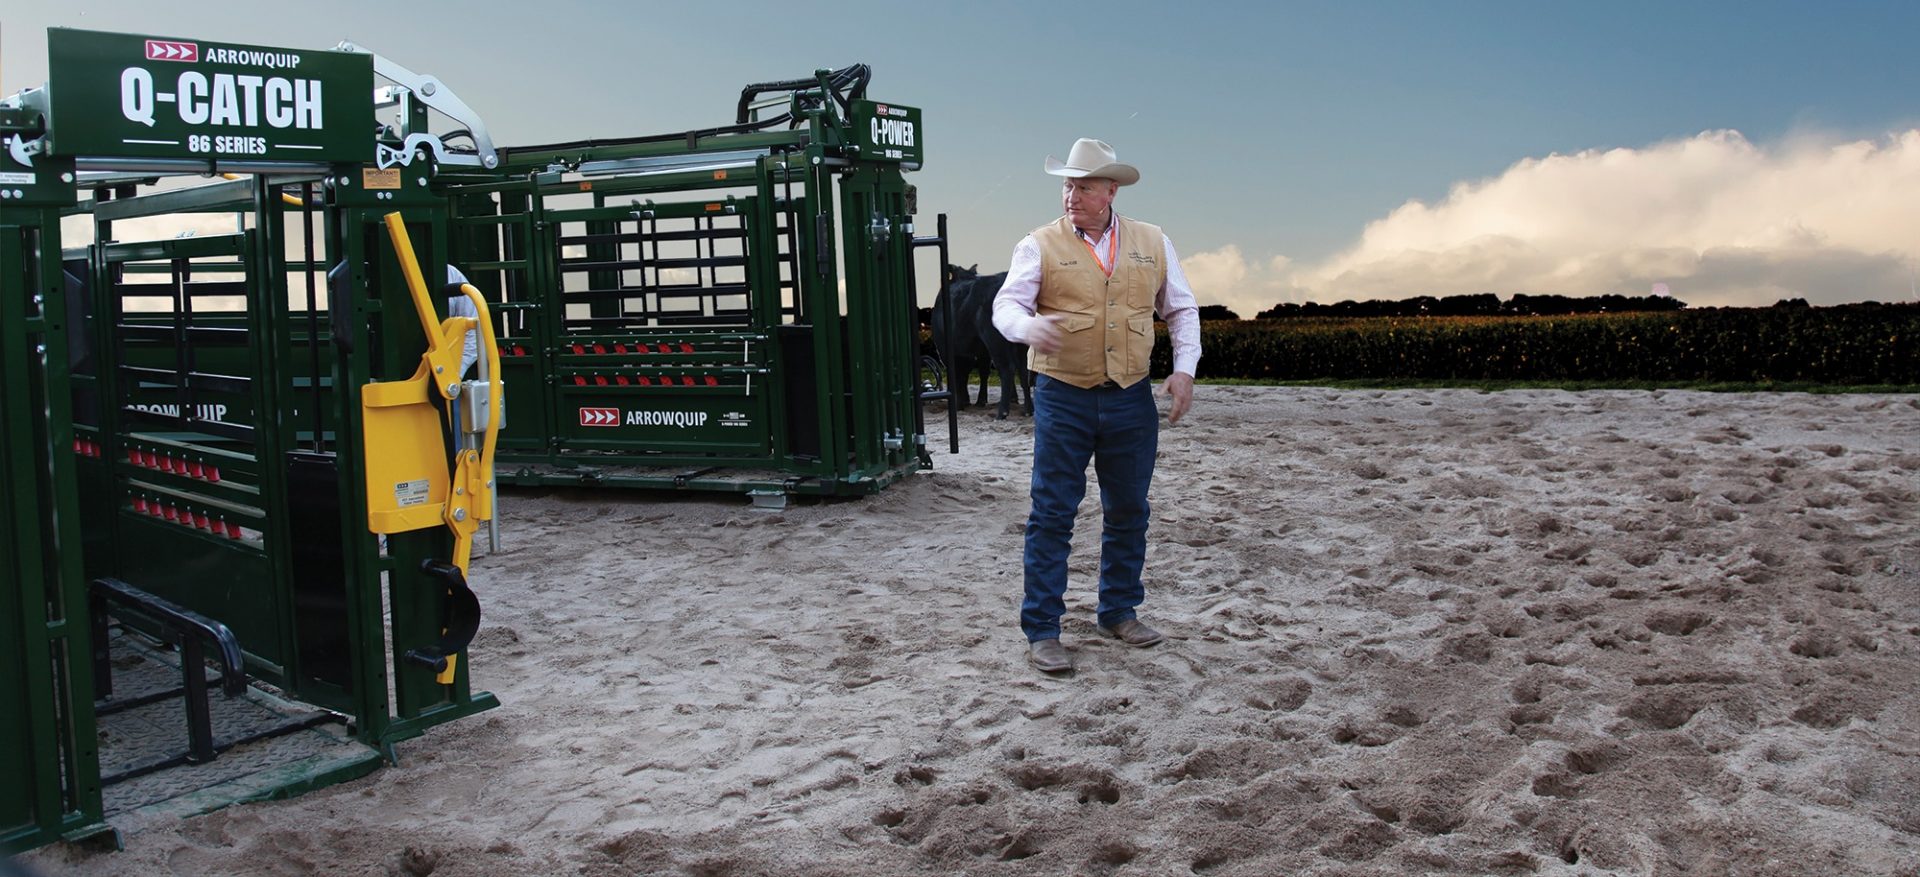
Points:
[(171, 50), (679, 419), (615, 417)]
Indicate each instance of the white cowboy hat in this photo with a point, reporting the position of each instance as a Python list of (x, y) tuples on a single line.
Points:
[(1093, 158)]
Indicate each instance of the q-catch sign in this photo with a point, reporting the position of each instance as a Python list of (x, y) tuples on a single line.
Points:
[(129, 96)]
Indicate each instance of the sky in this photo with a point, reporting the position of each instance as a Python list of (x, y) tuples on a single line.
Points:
[(1738, 152)]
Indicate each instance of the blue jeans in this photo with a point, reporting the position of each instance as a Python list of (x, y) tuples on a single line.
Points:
[(1119, 429)]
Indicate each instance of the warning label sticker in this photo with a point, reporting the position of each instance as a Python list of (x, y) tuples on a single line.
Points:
[(380, 179), (411, 493)]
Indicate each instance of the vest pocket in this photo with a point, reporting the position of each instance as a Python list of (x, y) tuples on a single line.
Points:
[(1140, 289), (1078, 353), (1139, 342)]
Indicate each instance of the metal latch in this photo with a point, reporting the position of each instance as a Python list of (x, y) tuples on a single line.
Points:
[(477, 397)]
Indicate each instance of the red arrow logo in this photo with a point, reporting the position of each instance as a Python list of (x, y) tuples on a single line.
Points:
[(599, 417), (167, 50)]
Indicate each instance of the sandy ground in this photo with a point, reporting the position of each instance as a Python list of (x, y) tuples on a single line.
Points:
[(1420, 632)]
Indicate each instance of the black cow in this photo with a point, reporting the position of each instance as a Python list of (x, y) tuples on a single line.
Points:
[(972, 297), (1009, 357), (969, 352)]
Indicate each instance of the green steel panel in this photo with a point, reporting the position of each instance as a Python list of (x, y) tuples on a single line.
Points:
[(523, 421), (677, 420), (229, 580), (234, 356), (141, 96), (832, 355), (235, 581), (17, 711), (47, 730)]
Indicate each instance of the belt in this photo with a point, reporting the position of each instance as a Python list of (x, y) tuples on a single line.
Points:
[(1106, 385)]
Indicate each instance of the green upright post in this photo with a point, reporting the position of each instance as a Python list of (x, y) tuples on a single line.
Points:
[(48, 741)]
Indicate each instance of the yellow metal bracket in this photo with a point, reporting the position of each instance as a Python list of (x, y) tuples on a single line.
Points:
[(472, 500), (408, 484), (406, 463)]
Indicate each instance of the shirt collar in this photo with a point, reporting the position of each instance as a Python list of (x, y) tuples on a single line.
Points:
[(1113, 216)]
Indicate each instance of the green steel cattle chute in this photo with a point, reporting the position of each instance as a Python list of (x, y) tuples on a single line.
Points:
[(730, 308), (183, 446), (199, 428)]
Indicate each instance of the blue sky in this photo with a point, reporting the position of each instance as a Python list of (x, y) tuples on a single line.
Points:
[(1739, 152)]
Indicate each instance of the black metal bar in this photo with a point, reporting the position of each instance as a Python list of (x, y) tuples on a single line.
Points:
[(232, 337), (204, 381), (920, 386), (953, 411), (193, 675), (192, 631), (191, 289), (946, 304), (674, 291), (634, 237), (728, 317), (182, 620), (578, 265), (102, 655), (459, 622)]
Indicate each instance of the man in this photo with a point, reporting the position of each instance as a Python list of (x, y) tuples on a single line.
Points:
[(1082, 292)]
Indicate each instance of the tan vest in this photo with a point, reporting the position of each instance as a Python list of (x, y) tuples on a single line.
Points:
[(1106, 322)]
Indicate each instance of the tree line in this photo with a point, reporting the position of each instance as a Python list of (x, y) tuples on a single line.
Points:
[(1485, 304)]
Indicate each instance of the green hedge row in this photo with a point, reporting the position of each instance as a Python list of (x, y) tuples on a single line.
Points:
[(1849, 344)]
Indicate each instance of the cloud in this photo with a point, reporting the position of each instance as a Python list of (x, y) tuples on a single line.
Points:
[(1719, 219), (1222, 269), (1225, 277)]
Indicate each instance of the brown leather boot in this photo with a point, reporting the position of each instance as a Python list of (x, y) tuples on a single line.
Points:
[(1133, 632), (1049, 656)]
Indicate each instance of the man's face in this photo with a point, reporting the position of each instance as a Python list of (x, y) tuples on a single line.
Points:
[(1086, 201)]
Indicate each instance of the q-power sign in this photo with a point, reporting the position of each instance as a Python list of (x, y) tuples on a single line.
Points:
[(130, 96), (888, 131)]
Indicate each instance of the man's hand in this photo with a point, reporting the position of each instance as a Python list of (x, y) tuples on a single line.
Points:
[(1043, 334), (1180, 390)]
